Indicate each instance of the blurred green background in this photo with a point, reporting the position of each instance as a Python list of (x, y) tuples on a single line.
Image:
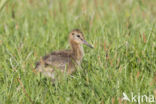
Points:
[(123, 33)]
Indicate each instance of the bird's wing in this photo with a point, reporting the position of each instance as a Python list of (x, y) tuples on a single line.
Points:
[(56, 59)]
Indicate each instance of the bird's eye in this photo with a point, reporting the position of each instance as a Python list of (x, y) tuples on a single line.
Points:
[(78, 35), (72, 33)]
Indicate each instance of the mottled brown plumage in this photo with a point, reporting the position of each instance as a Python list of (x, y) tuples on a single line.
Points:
[(66, 60)]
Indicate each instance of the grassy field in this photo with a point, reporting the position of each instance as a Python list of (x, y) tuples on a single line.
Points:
[(123, 33)]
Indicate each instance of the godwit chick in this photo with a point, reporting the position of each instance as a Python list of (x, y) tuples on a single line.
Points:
[(64, 61)]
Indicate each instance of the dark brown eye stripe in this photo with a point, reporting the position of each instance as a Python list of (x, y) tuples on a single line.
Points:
[(78, 35)]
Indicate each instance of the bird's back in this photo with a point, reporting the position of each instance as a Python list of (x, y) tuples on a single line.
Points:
[(58, 60)]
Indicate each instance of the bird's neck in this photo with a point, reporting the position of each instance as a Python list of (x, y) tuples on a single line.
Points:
[(77, 51)]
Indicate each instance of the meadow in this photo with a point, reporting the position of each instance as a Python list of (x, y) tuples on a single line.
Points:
[(123, 33)]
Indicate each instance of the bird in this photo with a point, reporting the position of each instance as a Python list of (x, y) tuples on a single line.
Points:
[(64, 60)]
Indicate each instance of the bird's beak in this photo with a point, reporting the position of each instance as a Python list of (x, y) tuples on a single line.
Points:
[(86, 43)]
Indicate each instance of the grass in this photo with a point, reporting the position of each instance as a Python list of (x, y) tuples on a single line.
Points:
[(123, 33)]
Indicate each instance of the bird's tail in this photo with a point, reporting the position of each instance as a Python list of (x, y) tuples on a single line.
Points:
[(37, 65)]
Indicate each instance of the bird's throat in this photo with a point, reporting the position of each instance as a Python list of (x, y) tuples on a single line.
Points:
[(77, 51)]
